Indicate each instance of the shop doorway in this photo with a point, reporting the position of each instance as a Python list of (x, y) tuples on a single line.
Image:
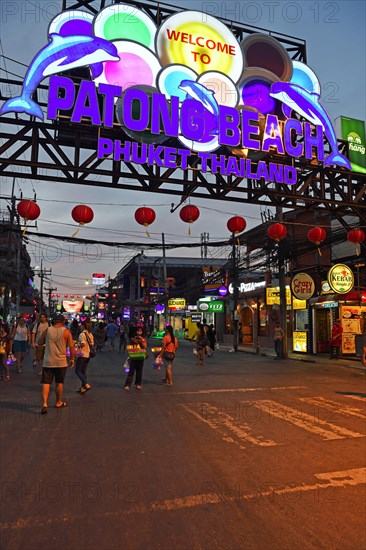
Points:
[(322, 330), (247, 325)]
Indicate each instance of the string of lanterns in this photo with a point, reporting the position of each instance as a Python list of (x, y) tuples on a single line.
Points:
[(83, 214)]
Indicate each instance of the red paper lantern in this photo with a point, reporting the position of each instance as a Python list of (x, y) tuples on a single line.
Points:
[(145, 216), (317, 235), (237, 224), (189, 214), (82, 214), (356, 236), (29, 211), (277, 231)]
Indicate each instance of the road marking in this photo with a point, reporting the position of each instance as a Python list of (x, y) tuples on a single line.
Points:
[(357, 398), (243, 390), (305, 421), (333, 406), (338, 479), (226, 425)]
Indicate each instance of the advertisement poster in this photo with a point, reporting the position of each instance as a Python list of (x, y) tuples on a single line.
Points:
[(351, 319), (299, 341), (348, 343)]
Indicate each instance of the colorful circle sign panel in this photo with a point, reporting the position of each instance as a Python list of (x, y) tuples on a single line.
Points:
[(302, 286), (200, 42), (340, 278)]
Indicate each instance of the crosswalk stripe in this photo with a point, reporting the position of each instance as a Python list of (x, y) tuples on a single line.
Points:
[(305, 421), (338, 479), (226, 425), (357, 398), (241, 390), (333, 406)]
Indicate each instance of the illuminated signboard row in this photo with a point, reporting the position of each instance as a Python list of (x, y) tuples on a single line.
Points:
[(189, 79)]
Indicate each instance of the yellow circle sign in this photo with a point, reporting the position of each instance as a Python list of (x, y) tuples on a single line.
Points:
[(302, 286), (340, 278), (201, 42)]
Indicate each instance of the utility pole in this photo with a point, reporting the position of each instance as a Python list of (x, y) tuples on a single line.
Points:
[(204, 240), (42, 274), (50, 290)]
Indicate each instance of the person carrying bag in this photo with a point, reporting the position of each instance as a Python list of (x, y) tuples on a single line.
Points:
[(169, 348)]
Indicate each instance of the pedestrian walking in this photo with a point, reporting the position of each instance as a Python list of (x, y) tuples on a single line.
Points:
[(122, 338), (111, 332), (86, 344), (211, 335), (56, 339), (336, 339), (75, 329), (20, 336), (278, 340), (4, 351), (38, 329), (201, 340), (168, 352), (136, 365), (99, 337)]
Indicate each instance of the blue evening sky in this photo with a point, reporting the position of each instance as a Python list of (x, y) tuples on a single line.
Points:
[(336, 51)]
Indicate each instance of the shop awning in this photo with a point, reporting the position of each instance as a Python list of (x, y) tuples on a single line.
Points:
[(354, 296)]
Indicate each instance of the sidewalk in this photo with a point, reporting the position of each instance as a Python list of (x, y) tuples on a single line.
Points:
[(349, 362)]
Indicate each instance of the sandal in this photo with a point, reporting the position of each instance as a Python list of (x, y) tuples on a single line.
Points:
[(63, 404), (44, 410)]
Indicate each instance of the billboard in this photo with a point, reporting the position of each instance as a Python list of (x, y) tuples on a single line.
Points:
[(353, 131), (189, 79)]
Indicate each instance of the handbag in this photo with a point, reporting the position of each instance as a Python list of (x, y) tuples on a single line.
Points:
[(169, 356), (92, 352)]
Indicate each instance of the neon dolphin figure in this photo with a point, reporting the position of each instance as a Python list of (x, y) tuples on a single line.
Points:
[(296, 98), (197, 91), (61, 54)]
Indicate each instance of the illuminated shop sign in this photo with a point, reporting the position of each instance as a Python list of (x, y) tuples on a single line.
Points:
[(273, 296), (302, 286), (215, 306), (340, 278), (177, 303), (298, 304), (98, 278), (189, 79), (248, 287)]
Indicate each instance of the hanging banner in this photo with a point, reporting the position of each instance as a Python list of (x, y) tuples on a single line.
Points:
[(353, 131)]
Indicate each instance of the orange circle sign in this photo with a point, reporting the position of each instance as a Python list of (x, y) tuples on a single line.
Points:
[(302, 286)]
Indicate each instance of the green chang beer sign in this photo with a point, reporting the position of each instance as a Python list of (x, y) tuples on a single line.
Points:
[(353, 131)]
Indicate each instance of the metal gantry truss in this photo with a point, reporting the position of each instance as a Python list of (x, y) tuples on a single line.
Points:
[(63, 152)]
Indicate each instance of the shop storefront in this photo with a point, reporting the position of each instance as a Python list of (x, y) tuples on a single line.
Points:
[(350, 308)]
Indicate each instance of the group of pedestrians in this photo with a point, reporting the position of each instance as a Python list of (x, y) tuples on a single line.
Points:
[(205, 340)]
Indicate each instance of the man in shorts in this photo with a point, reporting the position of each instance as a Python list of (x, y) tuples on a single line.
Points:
[(56, 339)]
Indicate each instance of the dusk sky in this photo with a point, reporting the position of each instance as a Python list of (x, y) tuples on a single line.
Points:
[(336, 51)]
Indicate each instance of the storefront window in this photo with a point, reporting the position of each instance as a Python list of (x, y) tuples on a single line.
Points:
[(263, 320)]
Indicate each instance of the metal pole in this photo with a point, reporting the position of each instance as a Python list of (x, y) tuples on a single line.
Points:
[(235, 295), (41, 289), (282, 283), (166, 314)]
